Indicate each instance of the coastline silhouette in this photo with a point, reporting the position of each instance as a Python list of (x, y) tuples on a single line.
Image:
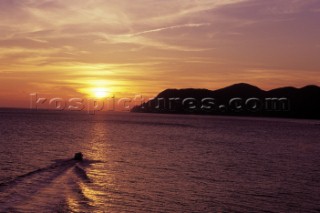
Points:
[(238, 100)]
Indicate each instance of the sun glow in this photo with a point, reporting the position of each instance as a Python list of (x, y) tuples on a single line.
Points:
[(96, 92), (100, 92)]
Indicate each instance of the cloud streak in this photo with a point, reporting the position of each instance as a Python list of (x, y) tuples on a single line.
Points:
[(171, 28)]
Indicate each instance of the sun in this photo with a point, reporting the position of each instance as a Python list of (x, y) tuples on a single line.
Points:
[(97, 89), (99, 92)]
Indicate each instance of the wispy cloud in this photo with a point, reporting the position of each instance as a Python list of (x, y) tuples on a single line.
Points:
[(152, 43), (171, 28)]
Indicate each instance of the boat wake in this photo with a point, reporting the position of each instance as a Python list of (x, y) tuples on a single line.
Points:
[(63, 186)]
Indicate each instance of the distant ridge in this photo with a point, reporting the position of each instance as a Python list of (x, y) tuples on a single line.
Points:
[(280, 102), (241, 87)]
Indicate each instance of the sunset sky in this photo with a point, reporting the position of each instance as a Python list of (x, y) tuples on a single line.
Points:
[(75, 48)]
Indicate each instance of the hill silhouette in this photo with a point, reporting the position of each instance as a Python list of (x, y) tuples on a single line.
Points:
[(238, 100)]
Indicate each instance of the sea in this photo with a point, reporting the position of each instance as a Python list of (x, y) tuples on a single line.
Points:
[(136, 162)]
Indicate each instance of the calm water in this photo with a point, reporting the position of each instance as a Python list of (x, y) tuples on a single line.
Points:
[(157, 163)]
